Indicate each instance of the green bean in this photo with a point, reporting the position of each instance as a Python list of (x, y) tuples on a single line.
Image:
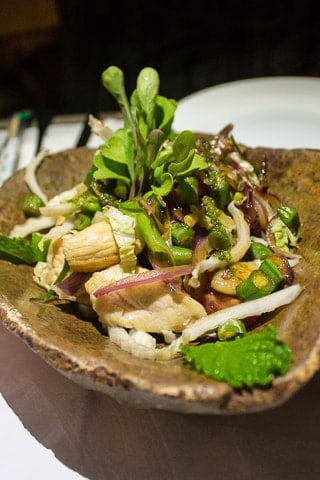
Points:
[(31, 205), (257, 285), (181, 255), (81, 221), (290, 217), (182, 235)]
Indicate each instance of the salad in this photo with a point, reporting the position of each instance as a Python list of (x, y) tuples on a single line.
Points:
[(173, 241)]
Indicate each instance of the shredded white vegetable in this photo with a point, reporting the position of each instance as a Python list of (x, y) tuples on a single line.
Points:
[(30, 175), (55, 207), (60, 204), (58, 230), (132, 344), (32, 224)]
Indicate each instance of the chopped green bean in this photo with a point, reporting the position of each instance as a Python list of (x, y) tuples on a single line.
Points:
[(182, 235), (290, 217), (271, 269), (31, 205), (230, 329), (181, 255), (257, 285), (81, 221), (259, 250)]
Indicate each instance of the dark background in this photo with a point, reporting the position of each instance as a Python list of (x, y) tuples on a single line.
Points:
[(52, 52)]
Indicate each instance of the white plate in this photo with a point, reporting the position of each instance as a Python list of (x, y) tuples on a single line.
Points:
[(267, 111)]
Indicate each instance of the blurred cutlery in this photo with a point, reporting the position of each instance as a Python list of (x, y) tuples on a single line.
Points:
[(10, 150), (85, 133)]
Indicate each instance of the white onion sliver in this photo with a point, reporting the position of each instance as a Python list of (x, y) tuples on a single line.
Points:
[(143, 338), (64, 196), (243, 234), (241, 311), (58, 230), (57, 210), (31, 225), (30, 175)]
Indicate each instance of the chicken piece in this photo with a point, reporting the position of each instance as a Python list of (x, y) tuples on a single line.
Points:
[(153, 307)]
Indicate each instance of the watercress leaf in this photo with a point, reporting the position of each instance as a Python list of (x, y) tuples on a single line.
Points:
[(157, 174), (113, 81), (183, 144), (181, 168), (165, 186), (147, 89), (129, 139), (156, 138), (192, 163), (248, 361), (139, 116), (186, 160), (106, 168), (114, 147), (198, 163), (142, 127), (164, 113), (163, 157)]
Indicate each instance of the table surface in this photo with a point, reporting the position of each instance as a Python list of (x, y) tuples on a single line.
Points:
[(51, 426)]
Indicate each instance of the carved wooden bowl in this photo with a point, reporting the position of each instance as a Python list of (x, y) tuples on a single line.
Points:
[(77, 349)]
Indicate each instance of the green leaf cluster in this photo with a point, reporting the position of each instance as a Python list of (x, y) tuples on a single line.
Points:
[(145, 155)]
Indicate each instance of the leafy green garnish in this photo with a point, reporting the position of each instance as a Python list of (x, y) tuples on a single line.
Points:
[(145, 154), (252, 360), (145, 161), (23, 250)]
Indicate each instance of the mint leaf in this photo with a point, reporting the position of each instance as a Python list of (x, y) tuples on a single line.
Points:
[(23, 250), (249, 361)]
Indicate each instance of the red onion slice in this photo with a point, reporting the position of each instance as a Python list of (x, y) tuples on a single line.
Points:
[(151, 276), (71, 284)]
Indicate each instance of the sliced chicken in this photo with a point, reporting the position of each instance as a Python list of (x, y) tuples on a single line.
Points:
[(150, 308)]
